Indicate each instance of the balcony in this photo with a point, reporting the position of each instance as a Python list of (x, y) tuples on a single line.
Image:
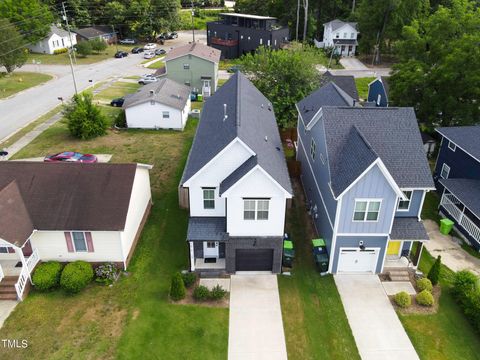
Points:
[(223, 42), (456, 210)]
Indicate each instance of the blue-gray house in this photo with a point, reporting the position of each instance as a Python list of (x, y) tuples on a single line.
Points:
[(378, 91), (457, 176), (365, 175)]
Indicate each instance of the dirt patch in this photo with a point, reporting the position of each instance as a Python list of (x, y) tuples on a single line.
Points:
[(419, 309), (135, 314)]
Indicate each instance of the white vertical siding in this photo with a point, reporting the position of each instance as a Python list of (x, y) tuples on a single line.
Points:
[(148, 116)]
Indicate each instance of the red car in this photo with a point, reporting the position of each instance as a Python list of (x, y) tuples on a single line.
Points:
[(70, 156)]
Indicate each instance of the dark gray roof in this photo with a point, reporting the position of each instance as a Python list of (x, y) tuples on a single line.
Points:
[(240, 172), (58, 31), (386, 86), (250, 117), (337, 24), (94, 31), (329, 94), (390, 133), (345, 42), (164, 91), (466, 137), (408, 228), (344, 82), (466, 190), (207, 228)]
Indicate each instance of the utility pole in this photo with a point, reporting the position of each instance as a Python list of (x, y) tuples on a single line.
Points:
[(116, 37), (71, 47), (298, 19), (193, 23)]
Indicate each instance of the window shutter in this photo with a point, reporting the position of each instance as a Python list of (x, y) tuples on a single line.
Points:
[(68, 239), (10, 250), (88, 236)]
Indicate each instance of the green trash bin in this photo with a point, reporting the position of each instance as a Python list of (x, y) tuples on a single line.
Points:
[(446, 226), (288, 253), (199, 97)]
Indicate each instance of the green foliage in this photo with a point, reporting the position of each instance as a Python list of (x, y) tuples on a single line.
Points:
[(201, 293), (47, 275), (434, 273), (12, 52), (98, 45), (177, 288), (217, 293), (424, 284), (284, 77), (60, 51), (464, 282), (403, 300), (466, 290), (189, 279), (106, 273), (425, 298), (76, 276), (121, 120), (84, 48), (85, 120)]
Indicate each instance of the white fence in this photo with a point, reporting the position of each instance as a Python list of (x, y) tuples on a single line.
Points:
[(2, 274), (24, 277), (449, 202), (318, 44)]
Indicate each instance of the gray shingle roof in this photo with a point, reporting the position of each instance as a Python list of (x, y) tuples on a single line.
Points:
[(390, 133), (466, 190), (196, 49), (386, 86), (408, 228), (207, 228), (94, 31), (58, 31), (164, 91), (345, 42), (337, 24), (466, 137), (240, 172), (344, 82), (250, 117)]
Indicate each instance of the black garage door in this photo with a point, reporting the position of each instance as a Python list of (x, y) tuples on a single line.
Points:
[(253, 259)]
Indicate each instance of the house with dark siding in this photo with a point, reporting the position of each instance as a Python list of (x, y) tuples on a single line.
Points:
[(378, 91)]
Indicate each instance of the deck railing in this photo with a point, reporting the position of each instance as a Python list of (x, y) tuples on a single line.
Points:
[(22, 282), (449, 202), (32, 260), (2, 274)]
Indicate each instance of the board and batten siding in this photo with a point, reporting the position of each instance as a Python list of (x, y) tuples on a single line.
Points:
[(198, 67), (150, 116), (415, 203)]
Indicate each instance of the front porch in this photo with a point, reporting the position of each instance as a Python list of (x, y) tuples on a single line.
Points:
[(209, 264)]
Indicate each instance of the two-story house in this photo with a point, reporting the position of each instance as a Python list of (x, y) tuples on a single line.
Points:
[(378, 91), (457, 176), (235, 183), (238, 34), (342, 36), (365, 176)]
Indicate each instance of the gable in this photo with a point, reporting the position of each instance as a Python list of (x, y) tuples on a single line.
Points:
[(345, 28), (256, 183)]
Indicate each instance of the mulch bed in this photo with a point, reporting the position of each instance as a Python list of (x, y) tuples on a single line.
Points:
[(190, 300), (419, 309)]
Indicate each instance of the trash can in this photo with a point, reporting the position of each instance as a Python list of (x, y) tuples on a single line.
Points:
[(446, 226), (288, 253), (199, 97), (193, 96), (320, 255)]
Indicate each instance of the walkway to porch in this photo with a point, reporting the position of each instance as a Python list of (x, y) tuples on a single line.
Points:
[(200, 264)]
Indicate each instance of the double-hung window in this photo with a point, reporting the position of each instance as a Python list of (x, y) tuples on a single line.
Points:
[(404, 205), (255, 209), (208, 198), (445, 171), (366, 210), (79, 241), (186, 66), (166, 114), (452, 146)]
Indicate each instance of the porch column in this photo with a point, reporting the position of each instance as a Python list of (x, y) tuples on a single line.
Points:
[(192, 256), (419, 255), (19, 251)]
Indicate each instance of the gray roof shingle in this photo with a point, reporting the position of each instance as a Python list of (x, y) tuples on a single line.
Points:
[(196, 49), (466, 190), (466, 137), (207, 228), (337, 24), (408, 228), (344, 82), (240, 172), (58, 31)]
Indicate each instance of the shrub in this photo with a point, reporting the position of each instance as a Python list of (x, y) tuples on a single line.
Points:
[(121, 120), (434, 273), (85, 120), (463, 283), (76, 276), (425, 298), (47, 275), (403, 300), (177, 288), (98, 45), (466, 289), (424, 284), (189, 279), (106, 273), (60, 51), (201, 293), (217, 293), (84, 48)]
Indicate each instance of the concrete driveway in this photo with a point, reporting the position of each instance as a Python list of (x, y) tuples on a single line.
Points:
[(256, 327), (378, 332), (351, 63)]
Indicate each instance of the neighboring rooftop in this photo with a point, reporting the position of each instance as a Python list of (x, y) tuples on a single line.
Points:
[(195, 49), (386, 86), (465, 137), (344, 82), (207, 228), (58, 31), (94, 31), (248, 16), (164, 91), (337, 24), (465, 190)]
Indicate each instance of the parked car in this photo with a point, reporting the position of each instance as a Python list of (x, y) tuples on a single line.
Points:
[(148, 75), (118, 102), (137, 50), (128, 41), (147, 80), (173, 35), (150, 46), (121, 54), (160, 52), (149, 54), (71, 156), (163, 36)]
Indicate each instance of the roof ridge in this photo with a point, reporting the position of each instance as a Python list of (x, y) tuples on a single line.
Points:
[(348, 99), (237, 105), (360, 134)]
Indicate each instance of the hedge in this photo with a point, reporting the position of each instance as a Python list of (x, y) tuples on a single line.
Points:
[(201, 293), (425, 298), (424, 284), (47, 275), (60, 51), (466, 290), (76, 276), (189, 279), (403, 300)]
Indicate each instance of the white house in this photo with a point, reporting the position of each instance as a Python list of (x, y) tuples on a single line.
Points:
[(56, 39), (67, 212), (236, 183), (341, 35), (164, 104)]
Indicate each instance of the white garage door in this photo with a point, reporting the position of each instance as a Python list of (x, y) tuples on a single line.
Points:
[(354, 260)]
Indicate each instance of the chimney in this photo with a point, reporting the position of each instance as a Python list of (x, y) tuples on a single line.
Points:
[(225, 116)]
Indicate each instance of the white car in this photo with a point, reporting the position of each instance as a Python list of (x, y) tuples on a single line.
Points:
[(148, 55), (150, 46), (147, 80)]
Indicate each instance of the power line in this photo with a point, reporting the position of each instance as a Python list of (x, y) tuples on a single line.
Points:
[(65, 17)]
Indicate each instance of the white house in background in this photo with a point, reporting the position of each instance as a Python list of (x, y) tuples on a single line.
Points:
[(67, 212), (56, 39), (164, 104), (341, 35)]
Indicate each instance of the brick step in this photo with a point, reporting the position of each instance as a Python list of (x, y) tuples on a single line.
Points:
[(8, 282), (8, 296), (7, 289)]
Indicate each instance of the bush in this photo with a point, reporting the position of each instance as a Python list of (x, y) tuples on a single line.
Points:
[(425, 298), (424, 284), (98, 45), (60, 51), (201, 293), (464, 282), (466, 289), (47, 275), (106, 273), (121, 120), (85, 120), (189, 279), (434, 273), (76, 276), (403, 300), (84, 48), (177, 288), (217, 293)]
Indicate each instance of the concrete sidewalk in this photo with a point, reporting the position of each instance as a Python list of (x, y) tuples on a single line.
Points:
[(6, 308)]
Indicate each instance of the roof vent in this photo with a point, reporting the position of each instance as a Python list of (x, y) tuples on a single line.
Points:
[(266, 138), (225, 116), (269, 107), (262, 106)]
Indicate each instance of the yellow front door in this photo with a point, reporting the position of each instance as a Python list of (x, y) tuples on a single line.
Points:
[(393, 247)]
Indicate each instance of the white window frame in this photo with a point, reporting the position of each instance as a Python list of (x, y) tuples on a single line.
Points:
[(445, 168), (313, 149), (6, 249), (454, 147), (261, 41), (208, 189), (84, 239), (322, 159), (368, 201), (345, 35), (211, 245), (165, 114), (352, 35), (186, 66), (256, 209), (337, 35), (409, 201)]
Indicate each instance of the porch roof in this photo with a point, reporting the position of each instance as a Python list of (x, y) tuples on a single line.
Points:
[(207, 229), (465, 190), (408, 228)]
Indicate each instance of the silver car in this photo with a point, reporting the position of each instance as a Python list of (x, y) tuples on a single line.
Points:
[(147, 80)]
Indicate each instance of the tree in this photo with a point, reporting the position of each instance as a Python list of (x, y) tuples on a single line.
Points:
[(434, 273), (13, 53), (98, 45), (177, 287), (284, 77), (439, 68), (84, 48), (85, 120)]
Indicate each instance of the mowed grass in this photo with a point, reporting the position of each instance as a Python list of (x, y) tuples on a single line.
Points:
[(117, 89), (134, 318), (362, 86), (314, 319), (20, 80)]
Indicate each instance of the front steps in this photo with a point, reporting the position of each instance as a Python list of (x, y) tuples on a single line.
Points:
[(398, 275), (7, 288)]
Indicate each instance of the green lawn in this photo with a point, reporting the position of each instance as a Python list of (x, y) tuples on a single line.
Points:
[(314, 320), (20, 80), (362, 86), (117, 89), (156, 65), (200, 22)]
